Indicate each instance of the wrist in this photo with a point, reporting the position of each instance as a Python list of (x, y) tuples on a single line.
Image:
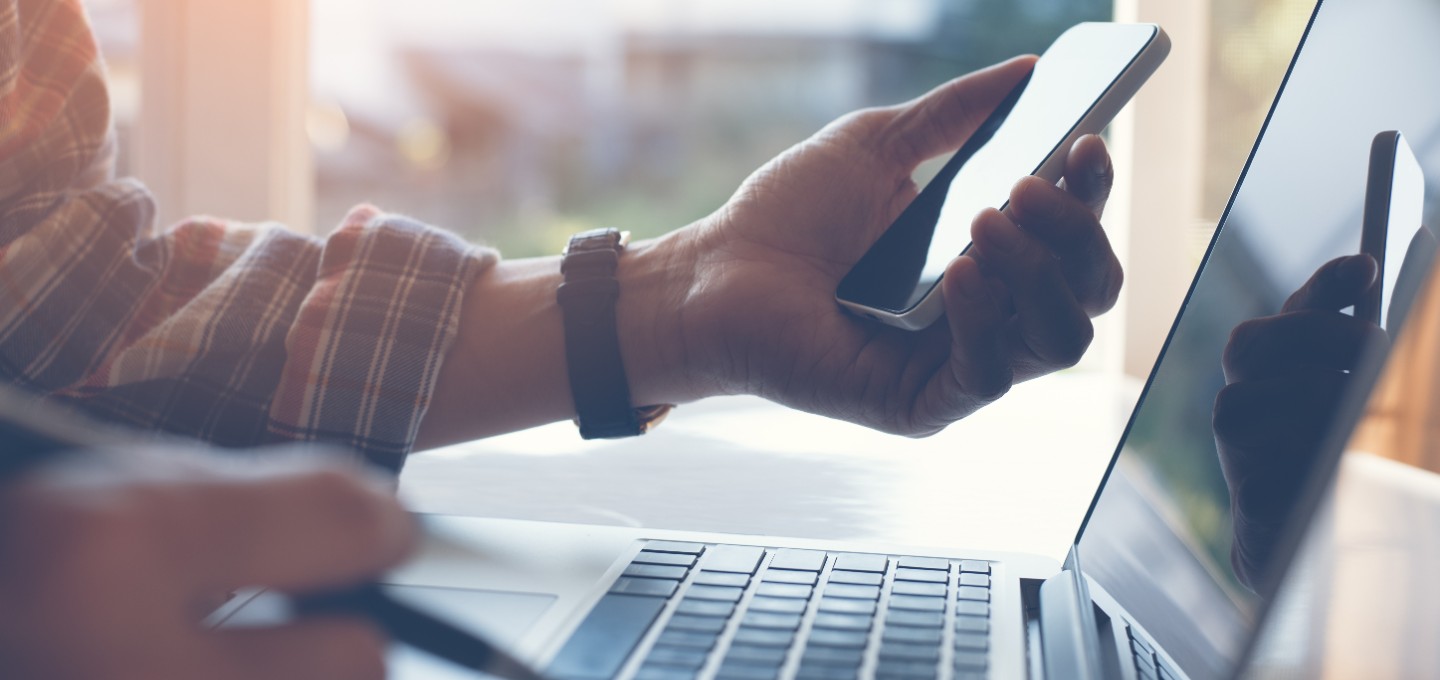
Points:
[(656, 278)]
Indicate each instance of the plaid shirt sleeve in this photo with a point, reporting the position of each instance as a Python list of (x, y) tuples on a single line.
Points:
[(232, 333)]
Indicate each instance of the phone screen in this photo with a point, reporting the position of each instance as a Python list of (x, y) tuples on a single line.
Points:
[(1017, 140)]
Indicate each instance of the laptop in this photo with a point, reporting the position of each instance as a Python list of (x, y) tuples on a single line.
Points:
[(1152, 586)]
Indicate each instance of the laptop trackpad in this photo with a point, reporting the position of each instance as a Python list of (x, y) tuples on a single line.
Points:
[(501, 617)]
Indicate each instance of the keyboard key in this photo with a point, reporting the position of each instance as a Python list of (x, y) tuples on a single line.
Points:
[(971, 624), (915, 603), (771, 620), (972, 608), (829, 637), (706, 608), (859, 578), (688, 658), (970, 661), (644, 586), (1137, 641), (852, 591), (784, 590), (843, 606), (842, 621), (799, 560), (663, 673), (686, 638), (925, 575), (972, 593), (972, 641), (978, 580), (861, 562), (906, 669), (700, 624), (931, 563), (675, 547), (975, 566), (764, 637), (721, 593), (804, 578), (656, 571), (669, 559), (760, 656), (970, 674), (919, 636), (826, 673), (739, 559), (606, 637), (777, 604), (720, 578), (921, 589), (744, 671), (912, 652), (916, 619), (833, 656)]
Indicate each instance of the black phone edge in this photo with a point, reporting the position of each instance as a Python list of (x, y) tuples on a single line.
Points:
[(1379, 186)]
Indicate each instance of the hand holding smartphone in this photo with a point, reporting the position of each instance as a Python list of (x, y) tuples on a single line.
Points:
[(1077, 87)]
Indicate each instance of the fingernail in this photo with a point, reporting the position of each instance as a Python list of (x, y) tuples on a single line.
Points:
[(1102, 167)]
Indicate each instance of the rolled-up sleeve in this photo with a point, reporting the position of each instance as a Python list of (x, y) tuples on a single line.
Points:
[(237, 334)]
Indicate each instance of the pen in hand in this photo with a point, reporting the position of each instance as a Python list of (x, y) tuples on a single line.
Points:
[(411, 626), (33, 433)]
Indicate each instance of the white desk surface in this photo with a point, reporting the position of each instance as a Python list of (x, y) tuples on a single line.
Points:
[(998, 480), (1003, 479)]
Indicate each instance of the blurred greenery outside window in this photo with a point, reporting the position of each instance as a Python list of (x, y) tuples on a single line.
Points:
[(646, 114), (518, 127)]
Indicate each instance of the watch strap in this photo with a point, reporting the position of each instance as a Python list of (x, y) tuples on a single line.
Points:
[(587, 297)]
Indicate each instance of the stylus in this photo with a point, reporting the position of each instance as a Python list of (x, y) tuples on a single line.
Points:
[(418, 629)]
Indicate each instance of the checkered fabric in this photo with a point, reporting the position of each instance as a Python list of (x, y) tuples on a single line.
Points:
[(237, 334)]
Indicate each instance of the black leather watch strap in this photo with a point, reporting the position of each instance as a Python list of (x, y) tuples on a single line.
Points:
[(587, 299)]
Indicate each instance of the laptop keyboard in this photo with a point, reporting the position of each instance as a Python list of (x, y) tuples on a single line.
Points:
[(691, 610), (1148, 664)]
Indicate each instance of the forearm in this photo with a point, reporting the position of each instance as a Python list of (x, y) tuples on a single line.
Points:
[(507, 369)]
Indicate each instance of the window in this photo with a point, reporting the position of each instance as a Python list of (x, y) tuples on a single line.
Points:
[(518, 125)]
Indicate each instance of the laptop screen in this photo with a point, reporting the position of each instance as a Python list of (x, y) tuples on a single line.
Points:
[(1197, 519)]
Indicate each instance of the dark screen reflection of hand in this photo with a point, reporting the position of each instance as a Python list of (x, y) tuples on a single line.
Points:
[(1285, 377)]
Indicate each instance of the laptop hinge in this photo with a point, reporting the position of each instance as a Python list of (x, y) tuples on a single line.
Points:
[(1068, 639)]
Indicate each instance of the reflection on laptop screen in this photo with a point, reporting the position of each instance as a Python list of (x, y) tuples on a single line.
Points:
[(1189, 533)]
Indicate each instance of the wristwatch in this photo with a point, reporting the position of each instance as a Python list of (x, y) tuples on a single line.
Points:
[(587, 298)]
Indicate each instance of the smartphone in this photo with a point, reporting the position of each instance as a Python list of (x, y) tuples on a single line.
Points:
[(1394, 209), (1077, 87)]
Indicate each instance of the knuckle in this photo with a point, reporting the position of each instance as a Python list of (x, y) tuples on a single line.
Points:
[(1070, 348), (993, 384)]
